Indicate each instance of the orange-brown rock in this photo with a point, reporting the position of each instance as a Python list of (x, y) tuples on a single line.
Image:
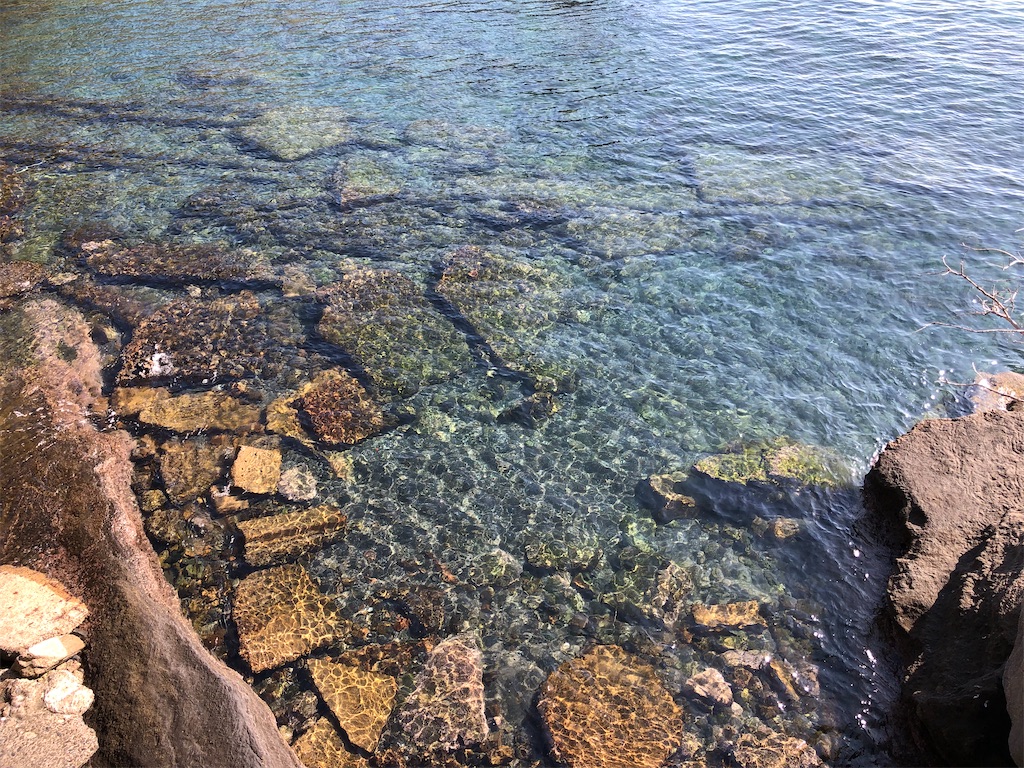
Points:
[(361, 700), (281, 615), (188, 468), (339, 410), (18, 277), (34, 608), (607, 709), (322, 747), (131, 401), (728, 615), (201, 412), (445, 711), (773, 750), (277, 538), (257, 470)]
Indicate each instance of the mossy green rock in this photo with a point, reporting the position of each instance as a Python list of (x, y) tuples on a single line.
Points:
[(383, 320), (511, 302), (778, 461)]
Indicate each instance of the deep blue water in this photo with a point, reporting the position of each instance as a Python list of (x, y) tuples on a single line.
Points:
[(753, 201)]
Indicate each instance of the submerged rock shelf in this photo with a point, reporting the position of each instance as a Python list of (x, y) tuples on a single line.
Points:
[(365, 447)]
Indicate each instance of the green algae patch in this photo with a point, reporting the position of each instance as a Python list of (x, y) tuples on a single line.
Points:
[(382, 319), (776, 462)]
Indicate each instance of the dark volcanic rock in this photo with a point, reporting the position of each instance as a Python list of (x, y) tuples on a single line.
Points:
[(951, 493), (67, 510)]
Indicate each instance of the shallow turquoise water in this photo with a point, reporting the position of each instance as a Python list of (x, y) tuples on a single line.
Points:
[(744, 205)]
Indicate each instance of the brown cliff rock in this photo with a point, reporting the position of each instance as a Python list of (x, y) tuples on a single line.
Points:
[(68, 511), (951, 494)]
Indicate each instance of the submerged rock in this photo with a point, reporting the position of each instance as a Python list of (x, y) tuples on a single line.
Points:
[(728, 615), (949, 496), (339, 410), (257, 470), (609, 710), (168, 262), (997, 391), (282, 615), (34, 608), (202, 412), (710, 685), (18, 278), (647, 587), (511, 303), (665, 496), (322, 747), (382, 318), (277, 538), (362, 700), (197, 342), (773, 750), (189, 468), (445, 711), (295, 132), (297, 484), (366, 178)]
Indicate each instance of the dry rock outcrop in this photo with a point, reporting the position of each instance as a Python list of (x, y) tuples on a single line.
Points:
[(950, 496)]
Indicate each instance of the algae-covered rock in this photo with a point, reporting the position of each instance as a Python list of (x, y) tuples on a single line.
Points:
[(322, 747), (339, 409), (512, 303), (362, 700), (575, 551), (382, 318), (285, 536), (777, 461), (295, 132), (196, 342), (12, 189), (445, 711), (131, 401), (201, 412), (176, 263), (607, 709), (281, 615), (257, 470)]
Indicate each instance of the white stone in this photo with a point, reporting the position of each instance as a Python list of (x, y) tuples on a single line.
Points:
[(48, 654), (65, 695)]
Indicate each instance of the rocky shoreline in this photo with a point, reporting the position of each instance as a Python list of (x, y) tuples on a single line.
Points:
[(949, 495)]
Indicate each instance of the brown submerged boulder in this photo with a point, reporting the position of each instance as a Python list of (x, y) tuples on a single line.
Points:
[(67, 510), (950, 493)]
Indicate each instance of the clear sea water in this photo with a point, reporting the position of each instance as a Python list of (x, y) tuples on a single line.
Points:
[(751, 202)]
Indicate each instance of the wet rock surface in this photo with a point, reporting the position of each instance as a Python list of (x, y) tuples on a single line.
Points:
[(361, 700), (339, 410), (947, 493), (608, 710), (285, 536)]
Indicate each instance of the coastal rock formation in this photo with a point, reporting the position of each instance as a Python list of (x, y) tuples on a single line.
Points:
[(445, 711), (362, 700), (776, 461), (277, 538), (383, 320), (68, 510), (950, 494), (608, 710), (282, 615)]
